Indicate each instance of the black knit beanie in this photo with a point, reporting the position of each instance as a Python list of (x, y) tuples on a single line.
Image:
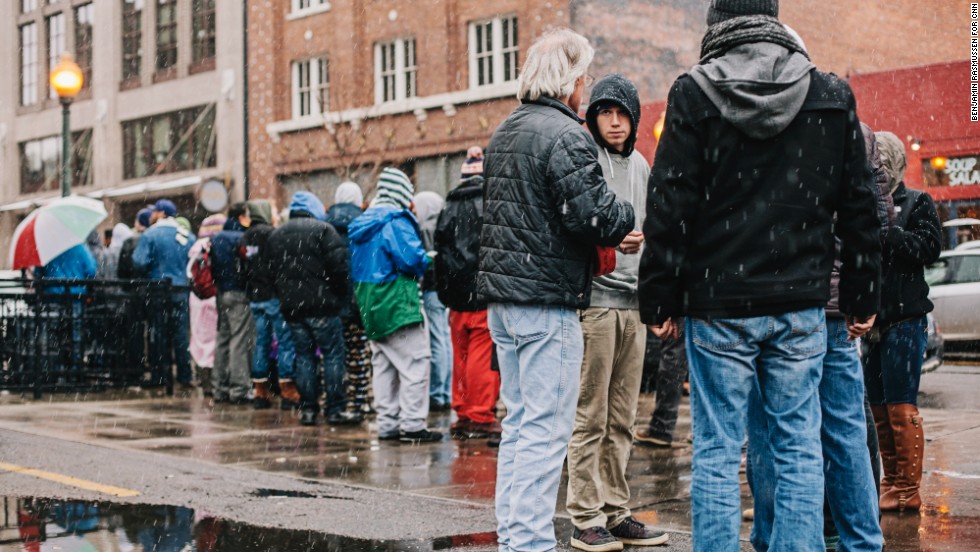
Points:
[(722, 10)]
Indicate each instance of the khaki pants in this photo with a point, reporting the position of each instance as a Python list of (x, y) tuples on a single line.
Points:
[(602, 438)]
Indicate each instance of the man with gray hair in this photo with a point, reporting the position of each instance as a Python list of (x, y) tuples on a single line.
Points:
[(547, 208)]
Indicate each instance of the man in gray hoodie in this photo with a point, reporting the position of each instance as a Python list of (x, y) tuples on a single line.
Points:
[(615, 340)]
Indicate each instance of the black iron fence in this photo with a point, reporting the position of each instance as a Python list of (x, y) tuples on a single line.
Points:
[(80, 335)]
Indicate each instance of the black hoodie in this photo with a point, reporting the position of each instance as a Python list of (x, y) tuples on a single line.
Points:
[(619, 90)]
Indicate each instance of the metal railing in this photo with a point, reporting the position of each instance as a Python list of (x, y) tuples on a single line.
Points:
[(81, 335)]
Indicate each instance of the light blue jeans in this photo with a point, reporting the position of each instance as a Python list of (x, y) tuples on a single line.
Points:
[(269, 322), (539, 349), (782, 355), (850, 486), (441, 379)]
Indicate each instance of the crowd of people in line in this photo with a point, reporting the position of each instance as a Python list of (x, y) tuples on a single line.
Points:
[(772, 240)]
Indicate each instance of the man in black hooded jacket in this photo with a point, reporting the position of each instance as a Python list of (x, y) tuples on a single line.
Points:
[(759, 152)]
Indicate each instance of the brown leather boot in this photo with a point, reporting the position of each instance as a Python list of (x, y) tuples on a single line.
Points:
[(886, 446), (262, 395), (288, 394), (909, 452)]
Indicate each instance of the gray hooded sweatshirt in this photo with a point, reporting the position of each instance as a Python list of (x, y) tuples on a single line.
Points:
[(759, 87), (626, 174)]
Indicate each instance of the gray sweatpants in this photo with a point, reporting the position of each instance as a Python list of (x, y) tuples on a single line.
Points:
[(231, 376), (401, 363)]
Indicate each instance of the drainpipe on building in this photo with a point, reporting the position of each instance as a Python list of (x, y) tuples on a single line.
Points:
[(245, 97)]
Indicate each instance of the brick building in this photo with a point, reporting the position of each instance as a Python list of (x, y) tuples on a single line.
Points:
[(160, 113), (337, 88)]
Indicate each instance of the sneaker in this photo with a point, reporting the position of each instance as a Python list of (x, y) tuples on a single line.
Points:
[(493, 441), (460, 428), (595, 539), (420, 436), (644, 437), (261, 403), (389, 436), (436, 406), (831, 542), (631, 531), (307, 418), (345, 418)]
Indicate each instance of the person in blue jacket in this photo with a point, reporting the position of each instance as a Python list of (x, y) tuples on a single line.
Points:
[(162, 254), (77, 263)]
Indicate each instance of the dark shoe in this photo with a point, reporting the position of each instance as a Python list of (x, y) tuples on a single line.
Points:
[(595, 539), (479, 431), (307, 418), (345, 418), (633, 532), (493, 441), (389, 436), (831, 542), (644, 437), (436, 406), (261, 403), (460, 428), (420, 436)]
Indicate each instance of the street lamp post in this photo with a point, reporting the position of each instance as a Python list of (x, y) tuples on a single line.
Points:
[(66, 80)]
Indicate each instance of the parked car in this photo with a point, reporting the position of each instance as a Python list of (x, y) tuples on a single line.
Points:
[(935, 346), (954, 282)]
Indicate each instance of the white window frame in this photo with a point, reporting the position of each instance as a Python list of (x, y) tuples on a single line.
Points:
[(400, 71), (494, 58), (56, 27), (317, 87), (304, 8), (28, 64)]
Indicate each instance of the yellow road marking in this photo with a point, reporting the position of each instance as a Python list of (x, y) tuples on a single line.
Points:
[(68, 480)]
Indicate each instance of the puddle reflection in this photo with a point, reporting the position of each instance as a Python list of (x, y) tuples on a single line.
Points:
[(41, 524)]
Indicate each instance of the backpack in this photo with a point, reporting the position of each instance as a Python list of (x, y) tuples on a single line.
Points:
[(202, 280)]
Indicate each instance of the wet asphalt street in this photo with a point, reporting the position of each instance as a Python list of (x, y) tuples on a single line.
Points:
[(123, 470)]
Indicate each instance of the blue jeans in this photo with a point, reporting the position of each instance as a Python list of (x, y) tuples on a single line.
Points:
[(850, 486), (325, 332), (441, 380), (893, 366), (782, 355), (539, 349), (173, 322), (269, 322)]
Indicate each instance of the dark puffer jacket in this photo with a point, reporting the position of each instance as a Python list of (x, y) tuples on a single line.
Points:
[(546, 208), (340, 215), (914, 242), (259, 272), (229, 273), (312, 267), (457, 243)]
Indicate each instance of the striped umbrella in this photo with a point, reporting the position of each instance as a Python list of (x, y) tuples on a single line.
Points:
[(54, 229)]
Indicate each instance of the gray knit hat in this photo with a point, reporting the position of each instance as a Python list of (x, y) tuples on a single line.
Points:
[(722, 10), (394, 189)]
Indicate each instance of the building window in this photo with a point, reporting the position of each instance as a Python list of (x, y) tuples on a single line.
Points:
[(204, 30), (395, 71), (28, 64), (27, 6), (172, 142), (84, 23), (309, 5), (56, 42), (311, 87), (40, 162), (132, 38), (493, 51), (166, 34)]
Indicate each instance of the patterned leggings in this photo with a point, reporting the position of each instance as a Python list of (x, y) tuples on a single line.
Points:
[(359, 397)]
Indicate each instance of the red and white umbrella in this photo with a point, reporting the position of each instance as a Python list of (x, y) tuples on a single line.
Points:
[(54, 229)]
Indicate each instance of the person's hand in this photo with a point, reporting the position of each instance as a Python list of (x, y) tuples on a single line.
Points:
[(631, 243), (667, 330), (857, 326)]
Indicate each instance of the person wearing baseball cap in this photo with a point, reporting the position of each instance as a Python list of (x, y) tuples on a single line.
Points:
[(162, 254)]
